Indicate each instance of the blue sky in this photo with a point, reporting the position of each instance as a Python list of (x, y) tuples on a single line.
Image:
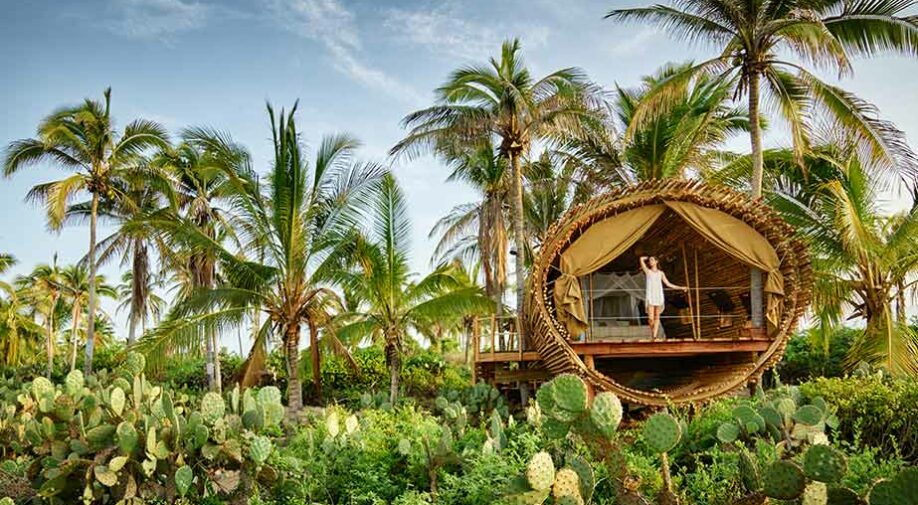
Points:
[(356, 66)]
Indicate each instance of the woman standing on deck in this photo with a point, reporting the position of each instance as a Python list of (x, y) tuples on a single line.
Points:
[(653, 296)]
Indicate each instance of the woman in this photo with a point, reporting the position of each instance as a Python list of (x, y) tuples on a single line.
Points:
[(653, 300)]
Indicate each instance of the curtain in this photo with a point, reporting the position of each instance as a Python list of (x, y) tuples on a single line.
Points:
[(600, 244), (743, 243)]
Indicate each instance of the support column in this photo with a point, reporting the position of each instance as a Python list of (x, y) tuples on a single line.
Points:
[(755, 298)]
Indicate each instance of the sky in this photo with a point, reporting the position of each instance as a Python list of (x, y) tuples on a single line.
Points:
[(356, 66)]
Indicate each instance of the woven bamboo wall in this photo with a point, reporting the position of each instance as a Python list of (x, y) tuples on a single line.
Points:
[(550, 338)]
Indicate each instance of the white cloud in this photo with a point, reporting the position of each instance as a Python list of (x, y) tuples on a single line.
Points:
[(636, 43), (156, 18), (331, 24), (444, 30)]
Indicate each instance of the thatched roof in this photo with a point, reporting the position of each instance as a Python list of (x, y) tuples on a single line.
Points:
[(550, 337)]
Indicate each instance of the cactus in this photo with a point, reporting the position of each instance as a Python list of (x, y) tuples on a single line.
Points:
[(822, 463), (783, 480), (127, 437), (662, 432), (183, 478), (585, 474), (212, 407), (567, 483), (815, 493), (728, 432), (749, 471), (540, 472), (41, 387), (259, 449), (134, 364), (809, 415), (117, 401), (842, 496), (606, 413), (569, 393), (73, 383)]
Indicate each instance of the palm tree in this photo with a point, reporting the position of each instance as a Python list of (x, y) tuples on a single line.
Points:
[(393, 306), (20, 336), (82, 138), (152, 307), (300, 221), (41, 288), (477, 232), (504, 101), (753, 37), (73, 282), (864, 259)]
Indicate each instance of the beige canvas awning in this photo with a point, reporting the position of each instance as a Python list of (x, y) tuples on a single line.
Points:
[(611, 237)]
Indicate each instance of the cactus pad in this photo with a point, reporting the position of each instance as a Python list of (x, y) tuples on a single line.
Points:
[(585, 473), (212, 407), (814, 494), (728, 433), (41, 387), (886, 492), (269, 395), (662, 432), (606, 413), (127, 437), (749, 471), (73, 383), (567, 483), (783, 480), (526, 498), (134, 363), (569, 393), (183, 478), (117, 400), (259, 449), (824, 464), (540, 473), (842, 496), (808, 415)]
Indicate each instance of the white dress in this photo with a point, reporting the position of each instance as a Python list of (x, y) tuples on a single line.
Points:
[(653, 294)]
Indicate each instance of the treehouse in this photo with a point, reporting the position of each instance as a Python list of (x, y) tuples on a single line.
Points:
[(749, 282)]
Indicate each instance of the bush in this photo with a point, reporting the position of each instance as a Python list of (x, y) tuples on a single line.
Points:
[(802, 361), (874, 411)]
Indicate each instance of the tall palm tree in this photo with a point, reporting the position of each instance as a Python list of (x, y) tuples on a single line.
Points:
[(41, 288), (865, 260), (477, 232), (83, 138), (73, 282), (503, 100), (393, 305), (754, 37), (300, 220), (151, 308)]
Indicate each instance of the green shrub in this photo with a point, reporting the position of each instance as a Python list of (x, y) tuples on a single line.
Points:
[(803, 361), (873, 411)]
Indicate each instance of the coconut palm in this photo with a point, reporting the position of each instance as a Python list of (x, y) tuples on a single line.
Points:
[(754, 38), (83, 139), (395, 307), (41, 289), (299, 221), (73, 282), (503, 100), (153, 306), (864, 259), (20, 336), (477, 232)]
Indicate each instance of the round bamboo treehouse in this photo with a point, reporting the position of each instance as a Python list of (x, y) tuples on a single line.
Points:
[(749, 280)]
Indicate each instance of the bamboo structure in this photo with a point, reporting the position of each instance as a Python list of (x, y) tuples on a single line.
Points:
[(707, 379)]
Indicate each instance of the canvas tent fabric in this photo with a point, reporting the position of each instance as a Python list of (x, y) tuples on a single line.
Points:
[(611, 237)]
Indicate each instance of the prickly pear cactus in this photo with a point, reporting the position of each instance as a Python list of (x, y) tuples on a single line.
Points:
[(41, 388), (73, 383), (183, 478), (134, 364), (540, 472), (585, 473), (567, 483), (662, 432), (260, 448), (570, 393), (117, 400), (606, 413), (837, 495), (815, 493), (212, 407), (783, 480), (809, 415), (822, 463)]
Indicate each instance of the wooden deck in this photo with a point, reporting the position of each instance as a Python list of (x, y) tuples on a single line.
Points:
[(639, 349)]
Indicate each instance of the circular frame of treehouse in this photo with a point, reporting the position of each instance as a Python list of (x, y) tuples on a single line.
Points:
[(552, 339)]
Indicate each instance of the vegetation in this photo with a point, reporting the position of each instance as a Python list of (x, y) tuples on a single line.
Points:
[(377, 405)]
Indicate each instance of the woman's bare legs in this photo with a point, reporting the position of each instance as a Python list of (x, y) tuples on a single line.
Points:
[(654, 315)]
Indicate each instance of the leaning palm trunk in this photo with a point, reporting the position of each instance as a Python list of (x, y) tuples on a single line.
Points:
[(50, 342), (91, 305), (520, 240), (74, 340), (316, 360), (294, 387)]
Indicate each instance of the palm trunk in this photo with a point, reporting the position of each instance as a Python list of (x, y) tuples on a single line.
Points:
[(73, 335), (91, 306), (50, 341), (316, 360), (132, 325), (218, 372), (292, 348), (755, 135), (520, 241), (394, 365)]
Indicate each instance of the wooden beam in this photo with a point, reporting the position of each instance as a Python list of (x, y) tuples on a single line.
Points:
[(669, 348), (527, 375)]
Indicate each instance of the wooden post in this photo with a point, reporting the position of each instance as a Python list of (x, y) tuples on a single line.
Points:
[(697, 295), (688, 292), (755, 298), (589, 335), (493, 334)]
